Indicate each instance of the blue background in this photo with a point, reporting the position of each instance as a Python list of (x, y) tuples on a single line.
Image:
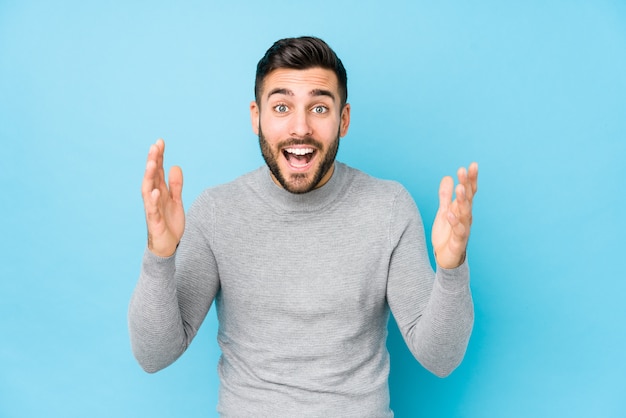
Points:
[(535, 91)]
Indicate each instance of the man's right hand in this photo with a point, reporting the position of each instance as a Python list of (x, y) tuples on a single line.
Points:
[(165, 216)]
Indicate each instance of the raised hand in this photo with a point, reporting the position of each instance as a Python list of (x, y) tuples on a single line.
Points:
[(165, 216), (451, 228)]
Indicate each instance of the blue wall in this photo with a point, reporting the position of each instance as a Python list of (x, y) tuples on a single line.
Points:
[(533, 90)]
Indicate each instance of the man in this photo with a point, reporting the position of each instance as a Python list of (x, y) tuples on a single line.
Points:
[(304, 258)]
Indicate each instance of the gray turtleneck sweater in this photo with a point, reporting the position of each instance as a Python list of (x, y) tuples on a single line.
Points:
[(303, 285)]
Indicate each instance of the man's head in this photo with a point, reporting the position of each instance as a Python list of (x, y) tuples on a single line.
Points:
[(300, 112), (301, 54)]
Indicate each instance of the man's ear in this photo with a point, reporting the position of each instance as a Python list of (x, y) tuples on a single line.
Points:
[(344, 123), (254, 116)]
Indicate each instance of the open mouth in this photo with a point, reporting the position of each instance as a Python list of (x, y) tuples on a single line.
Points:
[(299, 158)]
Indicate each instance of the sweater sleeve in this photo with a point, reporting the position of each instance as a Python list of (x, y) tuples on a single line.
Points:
[(434, 311), (173, 295)]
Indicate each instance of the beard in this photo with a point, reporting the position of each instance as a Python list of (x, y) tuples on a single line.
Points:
[(299, 183)]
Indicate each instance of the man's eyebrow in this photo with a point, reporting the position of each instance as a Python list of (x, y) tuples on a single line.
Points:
[(322, 92), (280, 90)]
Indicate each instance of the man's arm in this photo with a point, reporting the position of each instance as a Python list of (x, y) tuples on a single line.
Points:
[(172, 297), (155, 324), (434, 316), (173, 293)]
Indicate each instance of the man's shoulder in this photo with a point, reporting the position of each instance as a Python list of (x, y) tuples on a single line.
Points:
[(233, 190), (363, 182)]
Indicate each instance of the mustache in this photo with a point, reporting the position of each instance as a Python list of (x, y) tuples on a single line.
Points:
[(301, 141)]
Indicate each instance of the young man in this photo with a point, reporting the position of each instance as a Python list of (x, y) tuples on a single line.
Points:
[(305, 257)]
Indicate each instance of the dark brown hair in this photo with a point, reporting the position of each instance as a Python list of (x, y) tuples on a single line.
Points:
[(300, 54)]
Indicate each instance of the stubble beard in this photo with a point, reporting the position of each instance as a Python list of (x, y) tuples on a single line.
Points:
[(299, 183)]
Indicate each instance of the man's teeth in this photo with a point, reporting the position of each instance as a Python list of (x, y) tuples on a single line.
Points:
[(299, 151)]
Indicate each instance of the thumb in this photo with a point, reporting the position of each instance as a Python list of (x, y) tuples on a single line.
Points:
[(175, 180), (445, 193)]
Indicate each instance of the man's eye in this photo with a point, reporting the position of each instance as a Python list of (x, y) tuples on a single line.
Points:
[(320, 109), (281, 108)]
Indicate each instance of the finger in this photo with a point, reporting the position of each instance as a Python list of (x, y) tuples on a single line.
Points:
[(176, 183), (459, 233), (445, 193), (148, 184), (464, 179), (473, 177), (160, 152), (459, 228), (155, 155), (153, 214), (461, 174), (153, 183), (150, 176), (462, 205), (454, 209), (469, 178)]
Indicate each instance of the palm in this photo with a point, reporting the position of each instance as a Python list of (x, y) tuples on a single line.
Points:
[(171, 223), (453, 221), (165, 215)]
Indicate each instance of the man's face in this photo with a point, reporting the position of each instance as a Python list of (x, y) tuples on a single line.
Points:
[(299, 120)]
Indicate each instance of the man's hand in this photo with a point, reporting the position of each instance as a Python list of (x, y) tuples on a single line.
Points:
[(165, 216), (451, 228)]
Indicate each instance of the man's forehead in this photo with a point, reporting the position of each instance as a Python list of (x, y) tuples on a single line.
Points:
[(312, 81)]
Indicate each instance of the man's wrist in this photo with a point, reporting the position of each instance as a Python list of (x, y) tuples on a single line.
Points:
[(451, 266)]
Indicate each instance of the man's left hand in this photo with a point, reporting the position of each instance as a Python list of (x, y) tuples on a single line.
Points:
[(451, 228)]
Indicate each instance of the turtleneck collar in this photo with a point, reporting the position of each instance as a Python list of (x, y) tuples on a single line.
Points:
[(285, 201)]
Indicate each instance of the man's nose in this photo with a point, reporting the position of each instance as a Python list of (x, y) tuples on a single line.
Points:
[(300, 124)]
